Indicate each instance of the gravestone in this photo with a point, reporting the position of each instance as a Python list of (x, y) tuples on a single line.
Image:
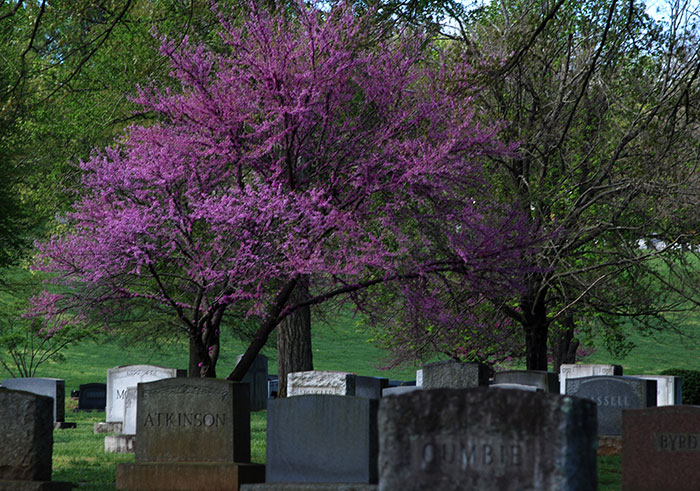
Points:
[(567, 371), (528, 388), (454, 375), (27, 441), (334, 383), (125, 442), (661, 449), (419, 378), (322, 439), (547, 381), (613, 394), (396, 391), (54, 388), (119, 379), (257, 378), (92, 397), (669, 391), (272, 386), (454, 439), (191, 434)]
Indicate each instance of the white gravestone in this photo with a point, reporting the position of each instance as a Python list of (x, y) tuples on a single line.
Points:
[(119, 379), (579, 371), (317, 382), (668, 389)]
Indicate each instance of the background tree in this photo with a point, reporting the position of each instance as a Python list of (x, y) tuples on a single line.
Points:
[(603, 100), (301, 152)]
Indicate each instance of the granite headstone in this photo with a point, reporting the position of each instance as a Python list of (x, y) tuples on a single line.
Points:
[(547, 381), (334, 383), (322, 438), (54, 388), (669, 391), (661, 449), (454, 375), (92, 397), (567, 371), (462, 439), (257, 378), (613, 394)]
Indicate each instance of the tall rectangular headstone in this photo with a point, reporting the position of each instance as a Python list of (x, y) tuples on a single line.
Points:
[(130, 407), (121, 378), (613, 394), (322, 438), (661, 449), (486, 439), (256, 377), (568, 371), (54, 388), (546, 381), (318, 382), (191, 434), (669, 391), (455, 375)]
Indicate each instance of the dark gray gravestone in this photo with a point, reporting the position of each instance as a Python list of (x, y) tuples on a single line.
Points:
[(661, 448), (455, 375), (613, 394), (193, 420), (92, 397), (54, 388), (322, 438), (257, 377), (547, 381), (463, 439), (27, 435)]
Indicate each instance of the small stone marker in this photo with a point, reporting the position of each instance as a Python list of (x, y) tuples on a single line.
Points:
[(612, 394), (454, 375), (54, 388), (317, 382), (669, 391), (92, 397), (257, 378), (568, 371), (322, 439), (121, 378), (546, 381), (661, 449), (454, 439), (191, 434), (27, 441)]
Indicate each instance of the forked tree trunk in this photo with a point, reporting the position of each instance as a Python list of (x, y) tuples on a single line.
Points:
[(204, 353), (294, 340)]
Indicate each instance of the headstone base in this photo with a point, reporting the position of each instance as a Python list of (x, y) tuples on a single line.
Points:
[(310, 487), (107, 428), (609, 445), (35, 486), (64, 425), (194, 476), (120, 444)]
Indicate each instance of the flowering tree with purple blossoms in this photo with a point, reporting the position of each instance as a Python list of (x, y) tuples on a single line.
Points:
[(306, 151)]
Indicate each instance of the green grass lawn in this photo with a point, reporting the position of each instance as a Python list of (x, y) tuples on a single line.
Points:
[(79, 454)]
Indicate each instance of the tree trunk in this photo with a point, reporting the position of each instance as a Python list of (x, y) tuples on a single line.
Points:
[(204, 352), (536, 325), (564, 345), (294, 340)]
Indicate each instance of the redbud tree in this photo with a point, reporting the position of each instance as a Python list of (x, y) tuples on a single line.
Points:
[(306, 146)]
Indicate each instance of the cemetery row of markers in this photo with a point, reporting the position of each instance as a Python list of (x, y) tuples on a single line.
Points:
[(451, 429)]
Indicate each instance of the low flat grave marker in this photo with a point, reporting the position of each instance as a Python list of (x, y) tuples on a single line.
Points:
[(454, 375), (318, 382), (454, 439), (546, 381), (191, 434), (569, 371), (661, 449), (27, 441), (613, 394), (322, 439)]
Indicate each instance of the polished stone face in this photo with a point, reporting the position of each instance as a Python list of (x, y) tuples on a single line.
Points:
[(193, 420), (661, 448), (486, 439), (613, 394), (454, 375)]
